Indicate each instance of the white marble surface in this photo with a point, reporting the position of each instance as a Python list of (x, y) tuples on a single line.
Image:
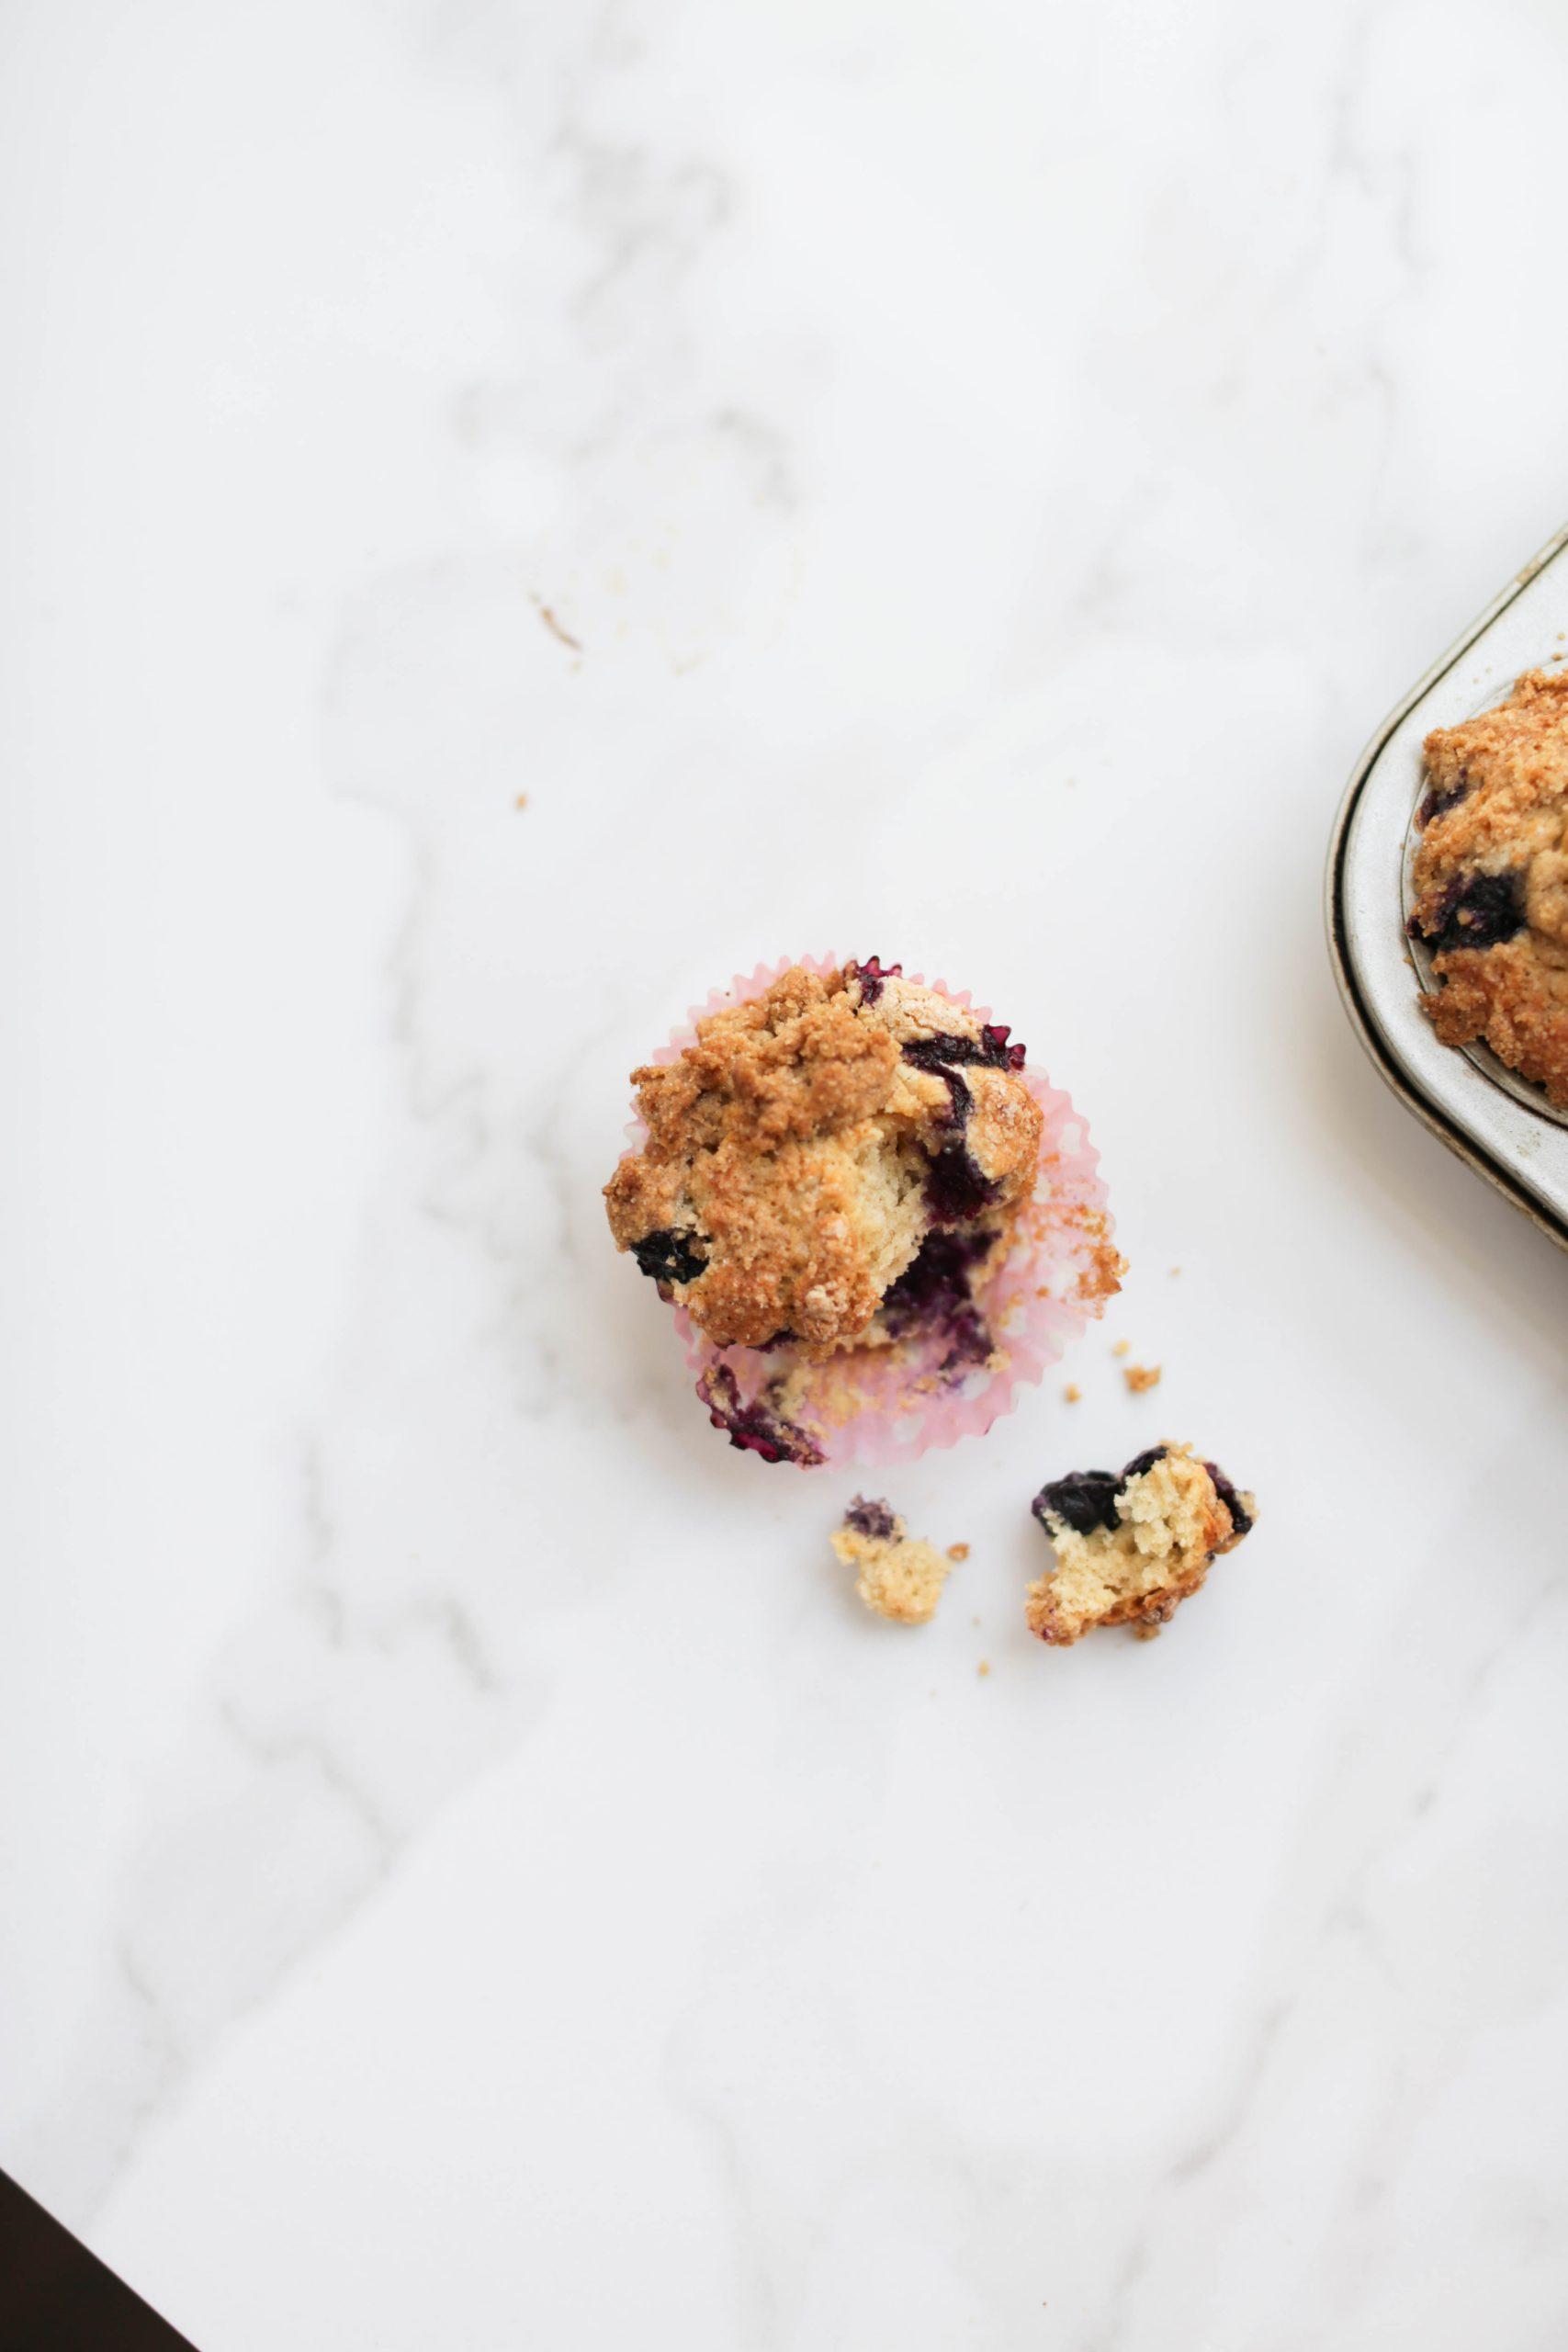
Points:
[(470, 1875)]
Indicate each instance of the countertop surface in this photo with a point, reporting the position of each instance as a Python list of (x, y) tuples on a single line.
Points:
[(520, 512)]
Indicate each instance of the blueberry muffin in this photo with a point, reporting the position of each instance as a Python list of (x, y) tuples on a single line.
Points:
[(1491, 878), (809, 1144), (1130, 1549), (900, 1577)]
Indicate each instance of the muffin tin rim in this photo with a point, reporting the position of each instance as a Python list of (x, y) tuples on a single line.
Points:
[(1498, 1122)]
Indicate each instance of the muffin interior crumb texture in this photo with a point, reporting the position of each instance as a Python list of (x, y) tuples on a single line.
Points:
[(897, 1575), (811, 1148), (1129, 1548), (1491, 880)]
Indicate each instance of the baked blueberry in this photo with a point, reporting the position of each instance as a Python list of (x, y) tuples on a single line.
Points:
[(758, 1427), (669, 1257), (1083, 1501), (872, 975), (1478, 910)]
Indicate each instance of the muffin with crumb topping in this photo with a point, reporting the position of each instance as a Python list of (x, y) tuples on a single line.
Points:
[(1491, 880), (800, 1153), (830, 1174)]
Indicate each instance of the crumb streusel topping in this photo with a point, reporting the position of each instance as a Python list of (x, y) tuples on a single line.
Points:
[(1129, 1548), (802, 1150), (1491, 878)]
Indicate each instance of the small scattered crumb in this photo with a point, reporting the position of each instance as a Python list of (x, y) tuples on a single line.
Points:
[(1176, 1270), (959, 1552), (984, 1667), (973, 1621), (1122, 1348), (1140, 1376), (521, 801), (1072, 1393), (562, 635), (900, 1577)]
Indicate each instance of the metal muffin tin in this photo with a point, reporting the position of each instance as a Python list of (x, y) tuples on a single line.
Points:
[(1506, 1128)]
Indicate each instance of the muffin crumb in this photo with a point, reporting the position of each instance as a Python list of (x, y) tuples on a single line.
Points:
[(900, 1577), (984, 1667), (1072, 1394), (1140, 1378), (1129, 1549), (1122, 1348), (957, 1552)]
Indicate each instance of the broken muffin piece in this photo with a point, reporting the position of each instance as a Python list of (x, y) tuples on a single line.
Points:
[(1129, 1548), (809, 1143), (900, 1577)]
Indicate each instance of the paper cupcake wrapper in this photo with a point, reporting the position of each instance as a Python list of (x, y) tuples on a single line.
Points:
[(876, 1406)]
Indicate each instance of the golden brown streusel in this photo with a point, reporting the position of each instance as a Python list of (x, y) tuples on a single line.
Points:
[(1141, 1377), (1491, 880), (1169, 1520)]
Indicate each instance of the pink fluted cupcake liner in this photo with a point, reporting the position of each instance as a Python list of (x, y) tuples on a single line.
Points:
[(878, 1406)]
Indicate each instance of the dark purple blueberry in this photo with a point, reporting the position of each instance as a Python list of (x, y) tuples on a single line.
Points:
[(933, 1295), (668, 1257), (957, 1188), (1084, 1499), (1437, 803), (1142, 1462), (990, 1050), (959, 1101), (936, 1282), (871, 1518), (996, 1034), (1241, 1518), (755, 1428), (1477, 910), (871, 976), (969, 1340)]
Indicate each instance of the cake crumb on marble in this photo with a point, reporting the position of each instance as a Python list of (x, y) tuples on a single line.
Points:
[(1129, 1549), (898, 1576)]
